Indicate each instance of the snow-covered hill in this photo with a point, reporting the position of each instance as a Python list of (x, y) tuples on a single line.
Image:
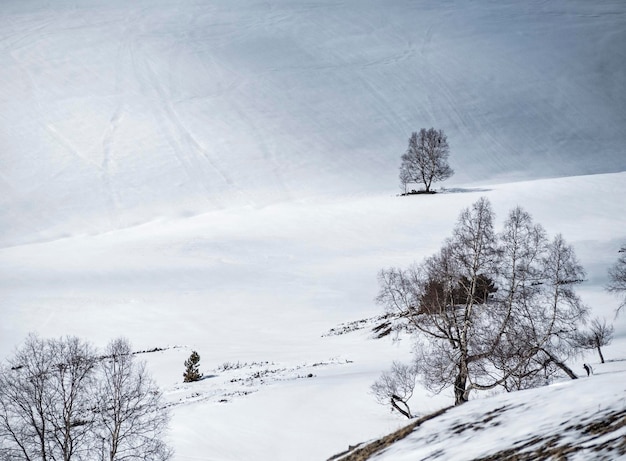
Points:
[(256, 292), (113, 113), (221, 177)]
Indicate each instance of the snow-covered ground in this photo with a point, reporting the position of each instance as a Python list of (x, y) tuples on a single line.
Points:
[(113, 113), (221, 177), (256, 292), (574, 420)]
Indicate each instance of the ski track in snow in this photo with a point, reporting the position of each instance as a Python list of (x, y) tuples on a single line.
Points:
[(179, 139), (224, 175), (317, 99)]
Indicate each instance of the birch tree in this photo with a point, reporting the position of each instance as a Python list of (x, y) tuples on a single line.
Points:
[(617, 278), (489, 309), (62, 401), (598, 335), (426, 159), (46, 398), (131, 418), (395, 387)]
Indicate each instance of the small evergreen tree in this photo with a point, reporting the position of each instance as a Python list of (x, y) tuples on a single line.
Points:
[(192, 373)]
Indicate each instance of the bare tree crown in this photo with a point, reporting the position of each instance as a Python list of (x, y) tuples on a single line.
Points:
[(490, 309), (61, 400), (426, 159)]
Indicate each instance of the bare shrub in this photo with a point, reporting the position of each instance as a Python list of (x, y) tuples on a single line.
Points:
[(395, 387)]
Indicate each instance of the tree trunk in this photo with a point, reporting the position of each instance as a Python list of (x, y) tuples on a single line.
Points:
[(460, 383), (600, 353), (566, 369), (406, 412), (560, 364)]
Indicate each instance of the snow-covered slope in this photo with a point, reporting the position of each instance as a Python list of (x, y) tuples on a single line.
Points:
[(574, 420), (113, 113), (256, 292), (220, 176)]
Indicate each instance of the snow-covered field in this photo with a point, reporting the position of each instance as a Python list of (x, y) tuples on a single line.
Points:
[(221, 177), (256, 291)]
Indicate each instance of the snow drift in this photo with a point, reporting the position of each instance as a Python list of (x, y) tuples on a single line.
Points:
[(114, 113)]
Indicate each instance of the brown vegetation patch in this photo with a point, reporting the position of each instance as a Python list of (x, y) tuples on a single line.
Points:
[(369, 450), (481, 423), (590, 434), (553, 446)]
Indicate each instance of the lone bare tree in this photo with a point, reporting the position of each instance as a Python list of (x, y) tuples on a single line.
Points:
[(395, 387), (598, 335), (489, 309), (426, 159), (617, 278)]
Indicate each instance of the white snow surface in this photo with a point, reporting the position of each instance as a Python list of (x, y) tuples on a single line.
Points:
[(113, 113), (485, 427), (256, 291), (221, 177)]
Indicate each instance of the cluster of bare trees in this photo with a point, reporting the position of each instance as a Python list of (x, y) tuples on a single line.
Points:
[(490, 309), (61, 400)]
